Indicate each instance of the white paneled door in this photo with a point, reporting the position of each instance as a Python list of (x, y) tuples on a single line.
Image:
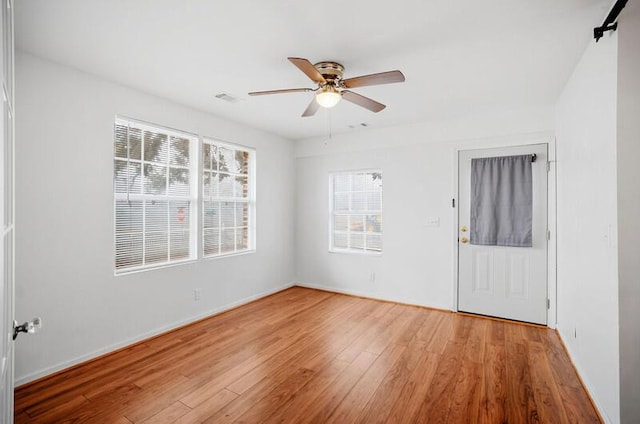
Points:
[(502, 281), (6, 210)]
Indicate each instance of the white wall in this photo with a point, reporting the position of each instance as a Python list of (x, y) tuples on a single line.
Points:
[(587, 222), (629, 210), (418, 162), (410, 269), (64, 222)]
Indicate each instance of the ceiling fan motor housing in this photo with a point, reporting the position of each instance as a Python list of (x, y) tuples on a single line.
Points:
[(331, 71)]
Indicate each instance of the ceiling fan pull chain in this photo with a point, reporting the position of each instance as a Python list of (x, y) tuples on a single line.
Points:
[(328, 127)]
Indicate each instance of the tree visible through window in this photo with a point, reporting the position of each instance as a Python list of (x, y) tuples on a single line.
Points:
[(356, 214), (154, 196)]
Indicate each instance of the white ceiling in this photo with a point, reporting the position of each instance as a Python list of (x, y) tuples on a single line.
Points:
[(459, 57)]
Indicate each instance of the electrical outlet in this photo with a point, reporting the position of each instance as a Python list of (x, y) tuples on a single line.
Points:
[(196, 294)]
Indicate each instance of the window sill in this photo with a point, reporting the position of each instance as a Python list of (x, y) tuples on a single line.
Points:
[(154, 267), (177, 263), (229, 255), (355, 252)]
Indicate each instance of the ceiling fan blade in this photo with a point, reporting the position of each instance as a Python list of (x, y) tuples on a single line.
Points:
[(287, 90), (311, 109), (363, 101), (374, 79), (307, 67)]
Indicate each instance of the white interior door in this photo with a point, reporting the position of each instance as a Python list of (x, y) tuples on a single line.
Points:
[(499, 281), (6, 210)]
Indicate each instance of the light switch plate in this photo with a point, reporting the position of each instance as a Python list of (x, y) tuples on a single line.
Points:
[(432, 221)]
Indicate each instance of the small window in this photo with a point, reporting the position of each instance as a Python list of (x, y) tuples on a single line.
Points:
[(228, 200), (154, 196), (356, 212)]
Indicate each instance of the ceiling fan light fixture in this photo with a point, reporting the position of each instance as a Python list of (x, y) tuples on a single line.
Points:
[(328, 97)]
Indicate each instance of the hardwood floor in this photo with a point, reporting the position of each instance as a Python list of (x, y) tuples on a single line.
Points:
[(307, 356)]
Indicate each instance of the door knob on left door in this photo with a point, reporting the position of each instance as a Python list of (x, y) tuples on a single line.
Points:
[(27, 327), (464, 240)]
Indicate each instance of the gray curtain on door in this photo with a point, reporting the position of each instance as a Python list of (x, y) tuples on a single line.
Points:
[(501, 201)]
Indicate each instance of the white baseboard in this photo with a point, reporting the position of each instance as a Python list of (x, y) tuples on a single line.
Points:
[(585, 381), (369, 295), (107, 349)]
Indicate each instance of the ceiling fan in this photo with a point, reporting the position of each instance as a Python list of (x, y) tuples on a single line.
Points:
[(331, 87)]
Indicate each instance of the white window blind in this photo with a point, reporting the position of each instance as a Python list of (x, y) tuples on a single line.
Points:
[(154, 186), (228, 198), (356, 212)]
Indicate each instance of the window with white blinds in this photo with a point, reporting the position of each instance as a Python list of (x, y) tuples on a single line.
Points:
[(228, 200), (154, 186), (356, 212)]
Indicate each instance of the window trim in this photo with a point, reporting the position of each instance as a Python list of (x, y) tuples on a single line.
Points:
[(332, 249), (194, 159)]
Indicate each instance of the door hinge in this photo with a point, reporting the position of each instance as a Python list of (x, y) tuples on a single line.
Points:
[(453, 203), (548, 166), (548, 304), (548, 234)]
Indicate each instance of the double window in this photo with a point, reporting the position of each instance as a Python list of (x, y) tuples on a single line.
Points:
[(356, 212), (157, 201)]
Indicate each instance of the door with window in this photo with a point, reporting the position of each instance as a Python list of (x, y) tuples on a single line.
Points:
[(6, 209), (502, 232)]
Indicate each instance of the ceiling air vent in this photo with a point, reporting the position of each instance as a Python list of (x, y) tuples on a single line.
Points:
[(226, 97)]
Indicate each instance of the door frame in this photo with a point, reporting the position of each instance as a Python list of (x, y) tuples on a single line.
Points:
[(7, 191), (510, 141)]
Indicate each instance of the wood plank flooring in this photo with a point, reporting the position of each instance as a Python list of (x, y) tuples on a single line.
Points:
[(307, 356)]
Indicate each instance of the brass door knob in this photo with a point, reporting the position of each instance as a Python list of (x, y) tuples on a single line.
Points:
[(464, 240), (464, 229)]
